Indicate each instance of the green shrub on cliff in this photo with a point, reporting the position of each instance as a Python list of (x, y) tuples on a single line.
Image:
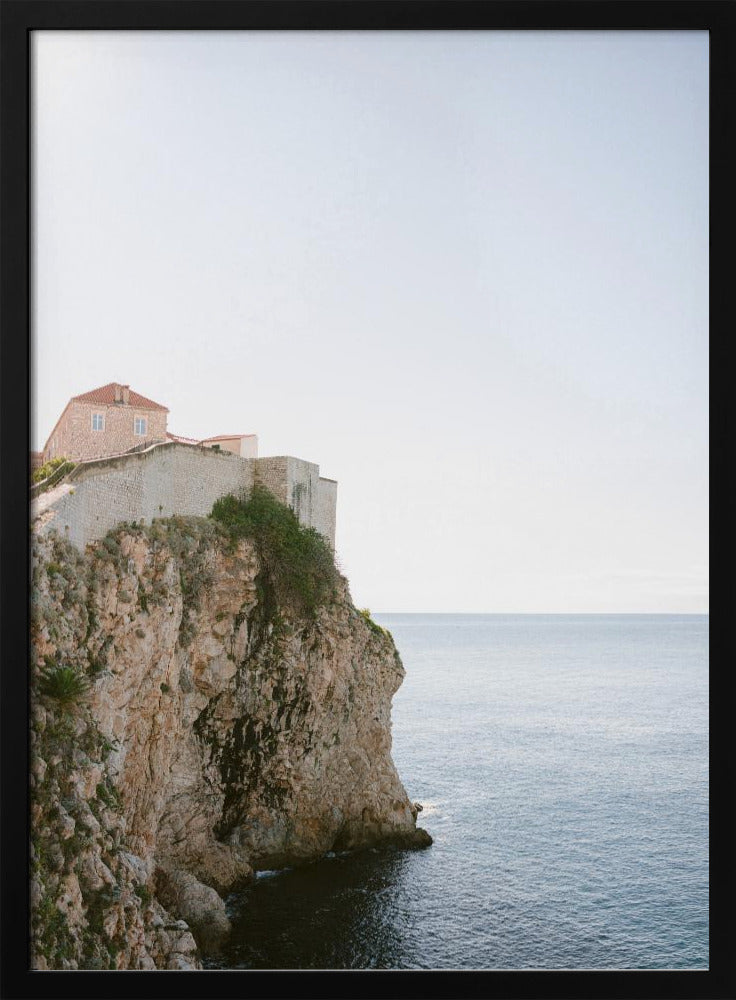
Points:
[(365, 614), (297, 561)]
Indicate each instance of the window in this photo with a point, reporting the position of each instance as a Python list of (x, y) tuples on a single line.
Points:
[(140, 426), (98, 421)]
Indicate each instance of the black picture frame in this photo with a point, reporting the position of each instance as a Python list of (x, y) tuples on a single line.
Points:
[(18, 19)]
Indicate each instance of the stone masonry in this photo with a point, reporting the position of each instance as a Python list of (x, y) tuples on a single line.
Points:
[(299, 484), (175, 478)]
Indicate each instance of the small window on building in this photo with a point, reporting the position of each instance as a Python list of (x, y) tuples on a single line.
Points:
[(140, 426), (98, 421)]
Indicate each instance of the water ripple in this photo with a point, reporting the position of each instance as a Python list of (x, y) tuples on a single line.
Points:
[(562, 762)]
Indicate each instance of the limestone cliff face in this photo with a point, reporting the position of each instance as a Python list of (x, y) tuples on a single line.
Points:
[(186, 730)]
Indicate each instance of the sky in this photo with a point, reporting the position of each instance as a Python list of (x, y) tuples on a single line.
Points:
[(464, 272)]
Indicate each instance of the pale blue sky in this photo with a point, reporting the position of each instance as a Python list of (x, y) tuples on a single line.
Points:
[(465, 272)]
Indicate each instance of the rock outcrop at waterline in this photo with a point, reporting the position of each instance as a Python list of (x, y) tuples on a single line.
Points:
[(186, 730)]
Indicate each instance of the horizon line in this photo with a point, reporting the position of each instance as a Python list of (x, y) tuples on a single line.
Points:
[(629, 613)]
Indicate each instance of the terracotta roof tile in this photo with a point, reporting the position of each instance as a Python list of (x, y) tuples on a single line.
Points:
[(105, 395), (180, 438), (227, 437)]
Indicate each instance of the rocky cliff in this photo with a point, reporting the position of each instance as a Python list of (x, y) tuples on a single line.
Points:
[(191, 724)]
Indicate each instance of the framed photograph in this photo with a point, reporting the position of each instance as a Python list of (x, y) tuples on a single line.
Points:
[(359, 544)]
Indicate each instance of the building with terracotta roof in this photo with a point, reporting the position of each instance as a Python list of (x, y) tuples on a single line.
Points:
[(245, 445), (106, 421), (131, 467), (114, 419)]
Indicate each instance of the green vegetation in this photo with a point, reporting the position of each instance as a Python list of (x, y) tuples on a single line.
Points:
[(68, 750), (144, 894), (54, 939), (108, 794), (66, 743), (373, 626), (50, 467), (110, 543), (297, 561), (190, 540), (64, 684)]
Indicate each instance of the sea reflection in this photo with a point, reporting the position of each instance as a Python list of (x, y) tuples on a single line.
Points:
[(348, 911)]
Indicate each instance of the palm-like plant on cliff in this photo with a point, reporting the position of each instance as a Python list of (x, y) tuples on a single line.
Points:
[(63, 684)]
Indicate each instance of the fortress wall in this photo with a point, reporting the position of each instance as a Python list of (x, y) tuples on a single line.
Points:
[(326, 509), (298, 483), (272, 473), (165, 480), (179, 479), (301, 484), (292, 481)]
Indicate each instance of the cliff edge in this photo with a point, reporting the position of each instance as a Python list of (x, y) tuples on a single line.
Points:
[(206, 702)]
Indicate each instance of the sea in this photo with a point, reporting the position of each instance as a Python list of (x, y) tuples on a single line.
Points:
[(562, 765)]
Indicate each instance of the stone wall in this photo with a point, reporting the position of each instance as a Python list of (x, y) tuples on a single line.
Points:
[(292, 481), (273, 474), (298, 484), (323, 518), (160, 482), (180, 479)]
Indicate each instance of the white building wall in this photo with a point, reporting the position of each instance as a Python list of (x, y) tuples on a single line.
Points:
[(249, 446)]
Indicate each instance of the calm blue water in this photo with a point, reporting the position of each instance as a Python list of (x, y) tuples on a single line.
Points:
[(563, 763)]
